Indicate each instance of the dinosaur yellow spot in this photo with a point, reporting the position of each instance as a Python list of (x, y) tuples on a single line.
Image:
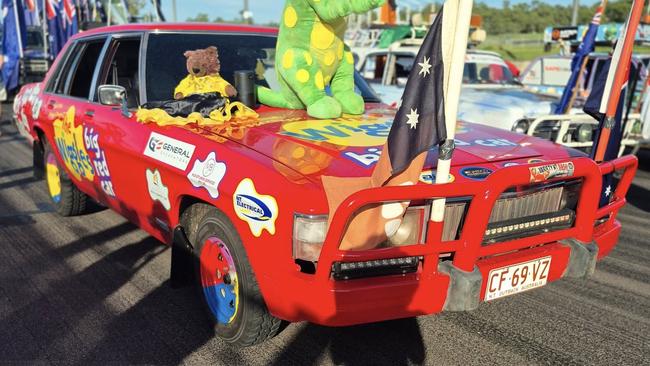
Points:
[(287, 59), (290, 17), (349, 58), (320, 83), (329, 58), (322, 36), (308, 58), (328, 79), (340, 51), (302, 76)]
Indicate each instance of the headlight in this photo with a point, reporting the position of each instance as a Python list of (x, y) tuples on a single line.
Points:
[(309, 233), (412, 229), (521, 126), (308, 236), (584, 133)]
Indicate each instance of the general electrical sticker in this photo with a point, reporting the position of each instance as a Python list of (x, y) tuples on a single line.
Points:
[(157, 190), (258, 210), (208, 174), (169, 151)]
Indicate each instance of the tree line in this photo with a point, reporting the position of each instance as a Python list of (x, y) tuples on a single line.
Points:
[(531, 17)]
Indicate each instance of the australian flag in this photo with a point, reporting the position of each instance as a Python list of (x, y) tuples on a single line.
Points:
[(586, 47), (592, 107), (420, 121), (13, 38), (419, 125)]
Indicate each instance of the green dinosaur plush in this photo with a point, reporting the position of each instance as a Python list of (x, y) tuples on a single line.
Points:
[(311, 55)]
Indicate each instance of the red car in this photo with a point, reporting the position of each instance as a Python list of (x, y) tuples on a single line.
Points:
[(245, 203)]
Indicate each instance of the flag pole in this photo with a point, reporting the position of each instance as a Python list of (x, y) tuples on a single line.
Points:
[(453, 82), (18, 34), (617, 77)]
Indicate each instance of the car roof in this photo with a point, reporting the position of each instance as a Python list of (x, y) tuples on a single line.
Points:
[(177, 27)]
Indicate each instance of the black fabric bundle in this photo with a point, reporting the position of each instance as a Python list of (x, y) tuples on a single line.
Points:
[(201, 103)]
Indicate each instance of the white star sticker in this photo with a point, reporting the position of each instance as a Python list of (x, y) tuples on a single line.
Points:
[(608, 191), (413, 118), (426, 67)]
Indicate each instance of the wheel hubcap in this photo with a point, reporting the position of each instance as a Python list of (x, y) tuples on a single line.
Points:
[(219, 280), (53, 178)]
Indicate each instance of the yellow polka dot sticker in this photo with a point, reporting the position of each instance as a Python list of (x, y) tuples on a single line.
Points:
[(287, 59), (302, 76), (290, 17), (322, 36), (320, 83)]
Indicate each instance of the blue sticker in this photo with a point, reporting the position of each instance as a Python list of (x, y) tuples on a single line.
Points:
[(476, 173), (253, 208)]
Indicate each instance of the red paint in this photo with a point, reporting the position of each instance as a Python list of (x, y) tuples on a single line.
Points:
[(289, 168)]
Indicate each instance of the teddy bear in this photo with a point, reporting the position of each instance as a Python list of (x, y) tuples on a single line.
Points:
[(203, 67), (311, 55), (202, 97)]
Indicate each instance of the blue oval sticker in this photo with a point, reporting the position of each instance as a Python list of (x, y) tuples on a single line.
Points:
[(476, 173)]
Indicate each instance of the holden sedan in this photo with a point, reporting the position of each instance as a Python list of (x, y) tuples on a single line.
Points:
[(243, 207)]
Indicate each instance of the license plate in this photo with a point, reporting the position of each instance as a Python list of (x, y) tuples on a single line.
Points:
[(517, 278)]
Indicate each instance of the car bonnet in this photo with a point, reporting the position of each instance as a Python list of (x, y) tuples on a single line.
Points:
[(350, 146)]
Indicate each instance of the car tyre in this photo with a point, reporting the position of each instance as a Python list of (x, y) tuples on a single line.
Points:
[(66, 197), (226, 282)]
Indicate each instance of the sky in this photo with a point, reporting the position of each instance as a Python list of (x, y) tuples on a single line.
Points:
[(265, 11)]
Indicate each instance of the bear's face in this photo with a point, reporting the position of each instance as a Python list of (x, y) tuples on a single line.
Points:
[(203, 62)]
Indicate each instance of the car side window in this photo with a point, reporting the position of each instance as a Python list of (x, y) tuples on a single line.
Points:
[(121, 67), (57, 81), (534, 75), (82, 69)]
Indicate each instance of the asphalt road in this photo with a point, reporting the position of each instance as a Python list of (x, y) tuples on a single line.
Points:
[(94, 290)]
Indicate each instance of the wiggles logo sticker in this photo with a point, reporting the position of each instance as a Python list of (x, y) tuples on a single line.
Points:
[(70, 142)]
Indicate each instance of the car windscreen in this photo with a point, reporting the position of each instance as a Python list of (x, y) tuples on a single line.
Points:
[(166, 65)]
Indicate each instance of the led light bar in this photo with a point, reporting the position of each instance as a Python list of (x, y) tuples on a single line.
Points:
[(534, 224), (379, 267)]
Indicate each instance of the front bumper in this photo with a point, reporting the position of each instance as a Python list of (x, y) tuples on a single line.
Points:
[(458, 284)]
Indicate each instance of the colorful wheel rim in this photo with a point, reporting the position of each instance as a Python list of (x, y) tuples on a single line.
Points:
[(219, 280), (53, 178)]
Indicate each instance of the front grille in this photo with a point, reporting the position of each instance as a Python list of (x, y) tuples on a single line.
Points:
[(520, 213), (547, 130), (36, 66), (537, 203)]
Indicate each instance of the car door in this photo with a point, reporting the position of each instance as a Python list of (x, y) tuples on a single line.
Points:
[(118, 141), (65, 97)]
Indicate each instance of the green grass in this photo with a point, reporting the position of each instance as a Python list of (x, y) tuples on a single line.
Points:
[(527, 50)]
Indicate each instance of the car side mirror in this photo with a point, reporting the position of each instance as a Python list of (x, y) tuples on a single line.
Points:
[(114, 95)]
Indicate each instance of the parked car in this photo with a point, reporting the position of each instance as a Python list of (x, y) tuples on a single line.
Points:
[(35, 62), (491, 95), (550, 74), (243, 206)]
